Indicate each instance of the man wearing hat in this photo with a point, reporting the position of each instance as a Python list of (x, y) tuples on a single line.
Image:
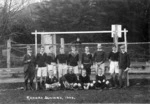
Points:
[(99, 58), (29, 68), (124, 64)]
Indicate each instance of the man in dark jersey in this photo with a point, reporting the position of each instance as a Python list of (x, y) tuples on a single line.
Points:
[(51, 64), (41, 68), (68, 80), (29, 68), (87, 60), (73, 60), (84, 79), (99, 58), (124, 65), (101, 81), (114, 68), (52, 82), (61, 60)]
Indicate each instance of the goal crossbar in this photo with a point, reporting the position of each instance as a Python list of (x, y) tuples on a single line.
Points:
[(76, 32)]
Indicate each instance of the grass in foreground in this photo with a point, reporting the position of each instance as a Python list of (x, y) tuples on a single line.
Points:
[(135, 94)]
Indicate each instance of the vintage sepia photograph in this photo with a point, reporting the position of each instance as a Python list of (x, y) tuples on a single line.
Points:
[(74, 51)]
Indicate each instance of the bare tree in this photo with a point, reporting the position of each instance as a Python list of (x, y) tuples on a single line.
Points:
[(8, 16)]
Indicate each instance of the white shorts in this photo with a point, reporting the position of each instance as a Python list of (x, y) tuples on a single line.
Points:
[(42, 72), (75, 69), (62, 69), (114, 68), (100, 66), (52, 67)]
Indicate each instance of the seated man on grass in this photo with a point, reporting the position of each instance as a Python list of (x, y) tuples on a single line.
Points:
[(52, 82), (68, 80), (101, 81), (84, 80)]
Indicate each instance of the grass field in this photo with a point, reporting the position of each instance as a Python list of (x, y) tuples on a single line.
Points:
[(9, 94), (138, 92)]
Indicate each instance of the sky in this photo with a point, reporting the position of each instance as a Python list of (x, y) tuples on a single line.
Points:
[(19, 1)]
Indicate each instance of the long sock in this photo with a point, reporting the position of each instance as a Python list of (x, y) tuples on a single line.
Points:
[(43, 84), (26, 84), (31, 84), (39, 85)]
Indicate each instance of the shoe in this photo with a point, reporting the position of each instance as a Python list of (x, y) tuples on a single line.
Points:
[(97, 88), (110, 88), (31, 88), (25, 88), (124, 87), (100, 90), (119, 87), (80, 88)]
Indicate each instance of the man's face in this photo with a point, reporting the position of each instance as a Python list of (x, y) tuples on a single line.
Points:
[(42, 50), (100, 71), (86, 49), (51, 49), (70, 70), (78, 39), (73, 48), (29, 51), (99, 47), (83, 73), (61, 51), (114, 48), (122, 50), (51, 73)]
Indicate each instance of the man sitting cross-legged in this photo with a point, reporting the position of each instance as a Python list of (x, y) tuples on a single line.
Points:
[(52, 82), (68, 80), (101, 81), (84, 79)]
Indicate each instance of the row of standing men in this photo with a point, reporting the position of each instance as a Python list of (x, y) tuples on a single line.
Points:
[(44, 63)]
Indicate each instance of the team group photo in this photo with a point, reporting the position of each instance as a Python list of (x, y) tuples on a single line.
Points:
[(74, 51), (68, 72)]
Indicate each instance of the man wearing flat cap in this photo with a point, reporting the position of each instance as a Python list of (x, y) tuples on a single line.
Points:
[(99, 58), (29, 68), (124, 64)]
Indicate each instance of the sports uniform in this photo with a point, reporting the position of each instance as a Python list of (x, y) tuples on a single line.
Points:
[(101, 82), (100, 58), (124, 65), (73, 59), (87, 62), (41, 59), (61, 60), (51, 63), (113, 57), (68, 80), (85, 81), (52, 83)]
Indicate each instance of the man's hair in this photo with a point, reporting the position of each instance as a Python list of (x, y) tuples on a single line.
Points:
[(42, 46), (61, 48), (122, 46), (73, 46), (114, 45), (83, 70), (86, 46), (50, 47), (99, 69)]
